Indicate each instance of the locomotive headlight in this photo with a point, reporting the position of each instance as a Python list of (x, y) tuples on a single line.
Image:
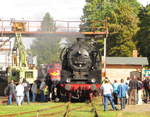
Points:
[(93, 80), (68, 80)]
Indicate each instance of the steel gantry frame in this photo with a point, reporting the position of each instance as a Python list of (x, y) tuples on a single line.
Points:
[(63, 29)]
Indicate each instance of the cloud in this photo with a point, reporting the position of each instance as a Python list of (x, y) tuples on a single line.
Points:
[(144, 2)]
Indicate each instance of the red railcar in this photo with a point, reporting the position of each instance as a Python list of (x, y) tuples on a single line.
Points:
[(54, 71)]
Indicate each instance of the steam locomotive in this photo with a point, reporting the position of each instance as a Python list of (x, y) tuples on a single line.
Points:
[(81, 73)]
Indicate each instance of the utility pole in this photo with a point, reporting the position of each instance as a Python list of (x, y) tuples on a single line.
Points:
[(105, 57), (105, 50)]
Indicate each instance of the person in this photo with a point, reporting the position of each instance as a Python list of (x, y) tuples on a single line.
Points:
[(122, 91), (42, 87), (107, 95), (127, 81), (26, 90), (19, 93), (133, 90), (49, 84), (140, 90), (128, 93), (38, 82), (10, 91), (103, 81), (34, 91), (46, 93), (115, 91), (146, 85)]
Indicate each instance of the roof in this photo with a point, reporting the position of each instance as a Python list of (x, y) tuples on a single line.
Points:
[(127, 60)]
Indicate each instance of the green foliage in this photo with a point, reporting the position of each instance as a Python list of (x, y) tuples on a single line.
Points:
[(122, 21), (123, 25), (143, 35), (48, 23), (46, 47)]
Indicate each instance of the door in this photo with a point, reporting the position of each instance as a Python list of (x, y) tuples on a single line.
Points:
[(135, 73)]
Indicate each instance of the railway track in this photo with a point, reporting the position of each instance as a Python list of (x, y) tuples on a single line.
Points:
[(93, 109), (66, 113)]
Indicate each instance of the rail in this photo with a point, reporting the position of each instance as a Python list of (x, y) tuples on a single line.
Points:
[(49, 114)]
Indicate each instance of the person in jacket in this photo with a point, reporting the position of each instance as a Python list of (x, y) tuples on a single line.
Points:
[(42, 87), (133, 90), (46, 93), (19, 93), (10, 91), (34, 91), (146, 85), (115, 91), (122, 91), (107, 95), (26, 90)]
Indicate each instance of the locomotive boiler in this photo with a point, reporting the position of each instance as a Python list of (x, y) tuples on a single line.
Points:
[(81, 73)]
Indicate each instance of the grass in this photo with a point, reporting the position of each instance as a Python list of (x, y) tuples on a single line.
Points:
[(14, 109), (83, 112)]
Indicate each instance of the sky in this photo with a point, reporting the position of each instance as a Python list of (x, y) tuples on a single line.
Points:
[(144, 2), (35, 9)]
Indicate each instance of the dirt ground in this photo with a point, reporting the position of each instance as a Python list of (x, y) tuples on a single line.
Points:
[(138, 108)]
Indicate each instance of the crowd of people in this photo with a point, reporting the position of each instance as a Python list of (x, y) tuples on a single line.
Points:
[(132, 91), (23, 90)]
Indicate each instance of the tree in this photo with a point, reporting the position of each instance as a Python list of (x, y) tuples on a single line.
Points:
[(143, 35), (123, 25), (48, 24), (46, 47), (122, 21)]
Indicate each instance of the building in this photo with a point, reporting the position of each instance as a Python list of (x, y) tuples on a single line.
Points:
[(123, 67)]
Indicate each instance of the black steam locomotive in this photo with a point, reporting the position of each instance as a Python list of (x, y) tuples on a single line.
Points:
[(81, 73)]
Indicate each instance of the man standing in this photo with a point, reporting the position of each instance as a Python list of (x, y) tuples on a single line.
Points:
[(42, 87), (34, 91), (107, 93), (146, 84), (122, 91), (127, 95), (26, 90), (10, 91), (133, 90), (19, 93), (140, 90), (115, 91)]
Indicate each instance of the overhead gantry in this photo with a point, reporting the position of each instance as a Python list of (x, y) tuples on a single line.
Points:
[(63, 28)]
